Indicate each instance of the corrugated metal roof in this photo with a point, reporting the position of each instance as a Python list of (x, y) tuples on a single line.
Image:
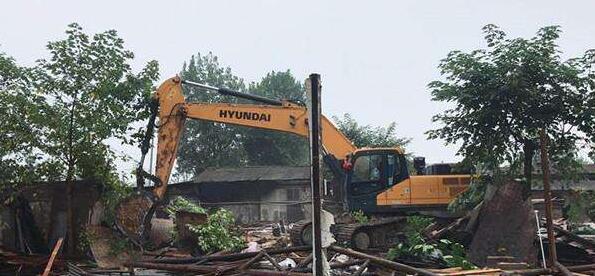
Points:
[(251, 174)]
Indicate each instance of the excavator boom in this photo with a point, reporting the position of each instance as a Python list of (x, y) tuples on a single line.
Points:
[(273, 115)]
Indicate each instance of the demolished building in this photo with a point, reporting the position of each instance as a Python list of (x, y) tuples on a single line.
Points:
[(253, 194)]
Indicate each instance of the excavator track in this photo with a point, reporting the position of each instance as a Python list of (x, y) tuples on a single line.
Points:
[(301, 232), (380, 233)]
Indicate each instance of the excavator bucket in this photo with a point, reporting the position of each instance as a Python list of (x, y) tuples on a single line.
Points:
[(133, 216)]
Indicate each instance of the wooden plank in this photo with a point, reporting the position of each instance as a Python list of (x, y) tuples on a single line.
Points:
[(445, 270), (574, 237), (48, 267), (272, 261), (383, 262), (474, 272), (253, 260), (562, 269)]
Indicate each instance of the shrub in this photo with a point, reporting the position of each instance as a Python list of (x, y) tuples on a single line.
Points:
[(360, 217), (449, 253), (218, 233)]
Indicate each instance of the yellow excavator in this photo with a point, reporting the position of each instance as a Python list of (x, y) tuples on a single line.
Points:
[(375, 181)]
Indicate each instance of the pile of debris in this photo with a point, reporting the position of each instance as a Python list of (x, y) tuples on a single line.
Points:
[(269, 252), (289, 261), (511, 249)]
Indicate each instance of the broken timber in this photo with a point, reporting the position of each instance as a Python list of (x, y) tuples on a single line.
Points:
[(232, 257), (57, 247), (381, 261)]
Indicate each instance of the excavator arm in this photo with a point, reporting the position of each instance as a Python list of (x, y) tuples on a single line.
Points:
[(273, 115)]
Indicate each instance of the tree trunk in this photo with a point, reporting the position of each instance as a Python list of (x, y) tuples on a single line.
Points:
[(69, 212), (528, 153), (70, 241)]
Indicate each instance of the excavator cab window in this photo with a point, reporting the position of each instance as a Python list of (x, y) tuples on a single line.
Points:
[(367, 168), (375, 171), (370, 173)]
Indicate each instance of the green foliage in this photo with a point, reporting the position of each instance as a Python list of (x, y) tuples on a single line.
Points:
[(19, 162), (84, 241), (584, 230), (360, 217), (580, 207), (112, 195), (415, 246), (182, 204), (372, 136), (219, 233), (503, 94), (91, 96), (471, 197), (61, 112), (416, 224), (453, 254), (121, 246), (368, 135), (207, 144), (268, 147)]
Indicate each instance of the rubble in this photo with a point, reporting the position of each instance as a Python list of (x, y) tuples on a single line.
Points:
[(268, 254), (12, 263), (269, 250)]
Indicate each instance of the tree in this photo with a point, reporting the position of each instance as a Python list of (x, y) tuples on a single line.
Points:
[(207, 144), (268, 147), (368, 135), (503, 94), (17, 138), (87, 95)]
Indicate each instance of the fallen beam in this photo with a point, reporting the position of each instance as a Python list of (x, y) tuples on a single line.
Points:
[(335, 265), (264, 272), (383, 262), (474, 272), (48, 267), (562, 269), (304, 262), (183, 267), (576, 238), (542, 271), (252, 261), (231, 257), (272, 261)]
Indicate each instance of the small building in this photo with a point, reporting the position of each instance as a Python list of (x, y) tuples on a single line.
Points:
[(563, 191), (36, 217), (585, 181), (253, 194)]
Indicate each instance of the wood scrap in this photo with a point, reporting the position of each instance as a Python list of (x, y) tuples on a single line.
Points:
[(57, 247)]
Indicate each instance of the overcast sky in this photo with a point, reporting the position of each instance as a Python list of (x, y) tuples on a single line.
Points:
[(375, 57)]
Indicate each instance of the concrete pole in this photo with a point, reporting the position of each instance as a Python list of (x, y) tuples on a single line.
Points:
[(313, 89)]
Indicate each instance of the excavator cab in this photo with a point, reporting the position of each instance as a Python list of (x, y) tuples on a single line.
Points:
[(372, 172)]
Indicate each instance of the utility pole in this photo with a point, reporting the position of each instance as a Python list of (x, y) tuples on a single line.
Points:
[(313, 89), (547, 195)]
